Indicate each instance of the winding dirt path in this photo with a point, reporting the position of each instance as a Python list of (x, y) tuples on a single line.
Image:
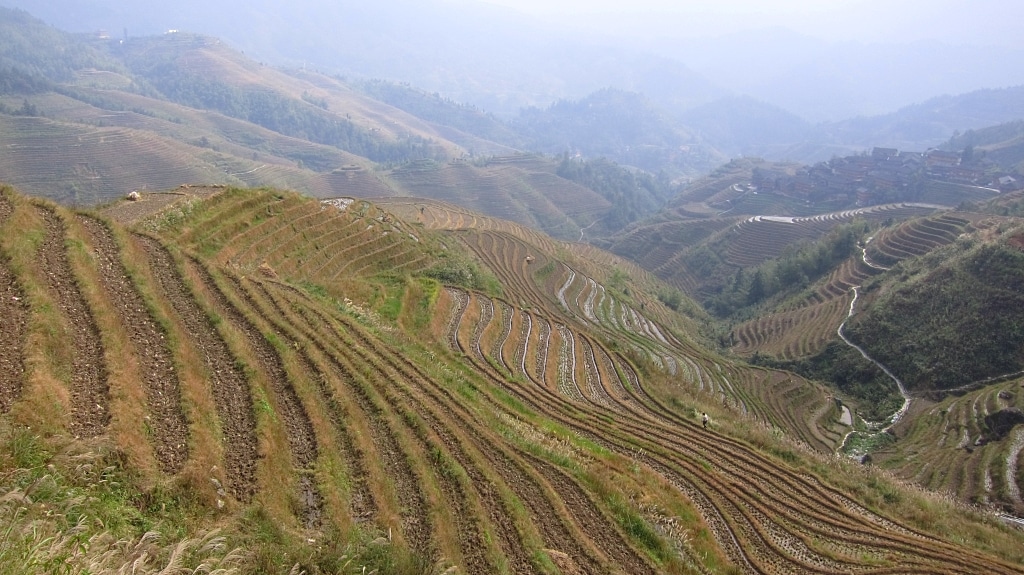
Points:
[(166, 418), (14, 313), (230, 388), (90, 391)]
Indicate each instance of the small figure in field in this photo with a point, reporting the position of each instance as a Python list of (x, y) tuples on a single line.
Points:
[(704, 419)]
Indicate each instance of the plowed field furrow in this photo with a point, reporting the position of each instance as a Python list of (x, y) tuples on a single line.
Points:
[(326, 246), (458, 508), (446, 409), (158, 375), (517, 345), (229, 386), (522, 264), (909, 545), (621, 381), (766, 473), (490, 248), (847, 520), (14, 313), (364, 260), (613, 384), (414, 263), (461, 302), (596, 385), (416, 526), (577, 294), (89, 387), (299, 429), (546, 407), (226, 223), (565, 286), (832, 513), (358, 245), (283, 242), (386, 379), (543, 346), (567, 383), (362, 504), (599, 307), (213, 206), (484, 489), (271, 218), (590, 518), (486, 315), (300, 254), (380, 257), (588, 304), (553, 528), (506, 330)]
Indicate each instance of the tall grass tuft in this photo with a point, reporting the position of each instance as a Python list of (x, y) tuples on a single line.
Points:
[(69, 512)]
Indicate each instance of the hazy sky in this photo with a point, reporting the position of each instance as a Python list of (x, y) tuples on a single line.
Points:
[(718, 6), (982, 22)]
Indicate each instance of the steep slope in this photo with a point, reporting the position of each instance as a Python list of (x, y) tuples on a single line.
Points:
[(332, 391), (965, 444), (960, 306)]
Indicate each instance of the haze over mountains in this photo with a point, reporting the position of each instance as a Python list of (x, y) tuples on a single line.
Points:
[(850, 59)]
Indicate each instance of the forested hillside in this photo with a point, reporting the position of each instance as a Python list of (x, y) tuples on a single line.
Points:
[(961, 306)]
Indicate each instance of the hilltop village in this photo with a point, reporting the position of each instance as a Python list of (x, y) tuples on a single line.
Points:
[(887, 175)]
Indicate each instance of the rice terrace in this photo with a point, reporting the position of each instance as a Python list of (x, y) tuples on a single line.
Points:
[(535, 421), (300, 319)]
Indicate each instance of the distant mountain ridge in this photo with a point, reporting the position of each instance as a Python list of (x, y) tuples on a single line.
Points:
[(501, 61)]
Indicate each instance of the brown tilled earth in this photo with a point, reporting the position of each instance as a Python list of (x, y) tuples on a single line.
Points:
[(89, 388), (230, 387), (301, 437), (156, 364), (13, 317)]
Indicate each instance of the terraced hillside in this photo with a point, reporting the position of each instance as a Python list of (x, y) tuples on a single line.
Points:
[(968, 445), (520, 188), (693, 254), (803, 326), (283, 367)]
